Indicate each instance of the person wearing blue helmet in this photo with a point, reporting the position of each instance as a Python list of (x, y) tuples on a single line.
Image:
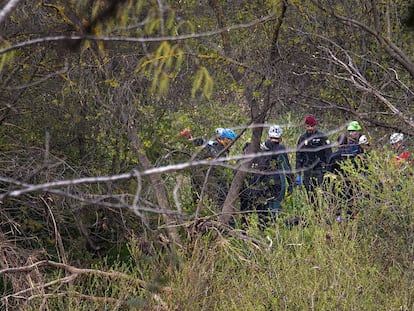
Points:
[(223, 137), (228, 134), (214, 181)]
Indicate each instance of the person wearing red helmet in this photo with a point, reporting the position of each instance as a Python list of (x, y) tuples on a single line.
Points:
[(313, 151), (403, 155)]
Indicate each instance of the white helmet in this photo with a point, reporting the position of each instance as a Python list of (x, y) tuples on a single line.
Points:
[(363, 140), (396, 137), (275, 131), (218, 132)]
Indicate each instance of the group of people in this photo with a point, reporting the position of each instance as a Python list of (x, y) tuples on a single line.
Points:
[(271, 176)]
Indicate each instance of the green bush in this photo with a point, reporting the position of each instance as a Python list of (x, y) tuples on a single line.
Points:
[(362, 262)]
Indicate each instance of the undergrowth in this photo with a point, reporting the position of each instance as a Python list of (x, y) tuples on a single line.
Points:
[(341, 254)]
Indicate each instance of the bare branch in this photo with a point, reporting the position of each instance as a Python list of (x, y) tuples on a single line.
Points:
[(74, 273), (73, 270), (28, 188), (135, 40), (357, 79), (43, 79), (7, 9), (60, 250), (390, 47)]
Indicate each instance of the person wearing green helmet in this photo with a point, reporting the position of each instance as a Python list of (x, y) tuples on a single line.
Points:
[(355, 139), (354, 126), (351, 149)]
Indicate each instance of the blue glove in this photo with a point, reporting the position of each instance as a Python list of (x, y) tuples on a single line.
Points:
[(299, 180)]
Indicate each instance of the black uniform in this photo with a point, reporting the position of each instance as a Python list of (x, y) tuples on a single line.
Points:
[(216, 184), (264, 189), (350, 151), (313, 151)]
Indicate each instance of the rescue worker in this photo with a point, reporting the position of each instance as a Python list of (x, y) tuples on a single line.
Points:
[(351, 148), (337, 157), (403, 156), (214, 182), (364, 143), (355, 139), (265, 187), (313, 150)]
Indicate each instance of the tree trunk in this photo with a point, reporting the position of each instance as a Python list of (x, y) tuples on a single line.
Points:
[(156, 181), (258, 113)]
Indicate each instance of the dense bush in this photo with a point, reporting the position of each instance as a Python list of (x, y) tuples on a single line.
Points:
[(356, 262)]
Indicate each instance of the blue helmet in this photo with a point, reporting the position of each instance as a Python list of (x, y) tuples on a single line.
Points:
[(228, 133)]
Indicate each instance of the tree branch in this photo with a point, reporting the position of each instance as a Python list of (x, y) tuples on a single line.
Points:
[(74, 274), (28, 188), (390, 47), (135, 40), (7, 9)]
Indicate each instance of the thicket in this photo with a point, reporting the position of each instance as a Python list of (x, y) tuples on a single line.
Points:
[(328, 260), (92, 215)]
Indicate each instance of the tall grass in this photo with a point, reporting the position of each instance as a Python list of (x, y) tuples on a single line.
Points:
[(313, 268), (364, 262)]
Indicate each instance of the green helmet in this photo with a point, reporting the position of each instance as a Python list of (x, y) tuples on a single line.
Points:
[(354, 126)]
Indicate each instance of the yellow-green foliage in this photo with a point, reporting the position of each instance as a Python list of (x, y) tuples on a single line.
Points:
[(322, 264), (203, 81), (319, 267), (162, 66), (358, 263), (6, 59)]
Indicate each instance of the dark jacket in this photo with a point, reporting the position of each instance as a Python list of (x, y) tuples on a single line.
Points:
[(353, 148), (348, 151), (313, 151), (211, 150), (281, 160), (266, 183), (217, 184), (336, 159)]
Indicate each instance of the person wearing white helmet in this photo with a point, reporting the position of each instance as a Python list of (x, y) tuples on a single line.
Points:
[(274, 144), (364, 143), (363, 140), (265, 188), (396, 140), (400, 149), (275, 131), (274, 138)]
